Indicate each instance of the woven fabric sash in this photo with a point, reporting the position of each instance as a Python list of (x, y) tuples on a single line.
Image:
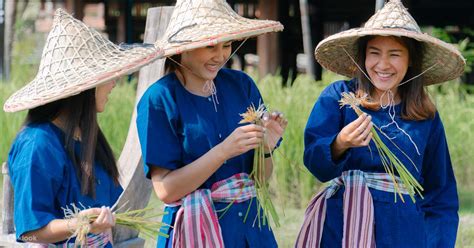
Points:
[(358, 209), (93, 240), (197, 224)]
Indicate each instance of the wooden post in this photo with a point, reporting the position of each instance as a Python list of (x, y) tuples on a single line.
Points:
[(76, 7), (7, 200), (379, 4), (267, 44), (137, 190), (307, 41), (2, 40)]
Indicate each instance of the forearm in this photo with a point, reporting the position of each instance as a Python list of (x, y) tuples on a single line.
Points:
[(173, 185), (56, 230), (268, 168)]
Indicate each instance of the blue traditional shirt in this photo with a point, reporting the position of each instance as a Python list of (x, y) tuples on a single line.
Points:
[(44, 179), (430, 222), (176, 127)]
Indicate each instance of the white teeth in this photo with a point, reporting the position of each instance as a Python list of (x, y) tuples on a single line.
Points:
[(384, 74)]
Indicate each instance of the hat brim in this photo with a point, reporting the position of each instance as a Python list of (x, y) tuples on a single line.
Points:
[(448, 61), (25, 98), (255, 28)]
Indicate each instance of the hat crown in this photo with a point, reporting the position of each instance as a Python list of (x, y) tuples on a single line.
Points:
[(393, 15), (70, 45), (190, 15)]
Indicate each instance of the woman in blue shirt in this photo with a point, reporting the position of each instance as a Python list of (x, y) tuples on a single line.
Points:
[(60, 158), (358, 208), (191, 139)]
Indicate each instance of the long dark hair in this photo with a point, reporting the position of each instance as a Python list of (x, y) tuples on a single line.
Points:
[(79, 111), (170, 65), (416, 103)]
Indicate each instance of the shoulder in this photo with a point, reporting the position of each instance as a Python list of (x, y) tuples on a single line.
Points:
[(335, 89), (236, 77), (227, 73), (161, 91), (38, 141)]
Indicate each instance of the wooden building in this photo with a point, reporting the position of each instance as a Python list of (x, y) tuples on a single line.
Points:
[(124, 21)]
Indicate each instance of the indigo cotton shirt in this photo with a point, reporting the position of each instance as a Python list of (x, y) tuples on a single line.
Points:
[(430, 222), (176, 127), (44, 179)]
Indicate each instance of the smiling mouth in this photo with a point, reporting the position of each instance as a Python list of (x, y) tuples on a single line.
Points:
[(384, 75), (213, 67)]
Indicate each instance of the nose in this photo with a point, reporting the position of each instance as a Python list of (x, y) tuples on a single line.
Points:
[(383, 63), (220, 54)]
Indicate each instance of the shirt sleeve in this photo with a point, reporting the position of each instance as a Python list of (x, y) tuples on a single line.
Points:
[(157, 130), (324, 123), (440, 203), (36, 170)]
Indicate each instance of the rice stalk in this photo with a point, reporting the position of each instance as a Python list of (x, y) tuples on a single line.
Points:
[(390, 162), (139, 220), (255, 116)]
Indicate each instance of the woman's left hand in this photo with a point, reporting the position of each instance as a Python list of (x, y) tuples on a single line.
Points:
[(275, 125)]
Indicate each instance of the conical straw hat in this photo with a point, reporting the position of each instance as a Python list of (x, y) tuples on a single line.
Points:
[(77, 58), (200, 23), (392, 20)]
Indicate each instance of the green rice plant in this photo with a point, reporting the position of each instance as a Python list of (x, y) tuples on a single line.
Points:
[(389, 161), (258, 173), (138, 220)]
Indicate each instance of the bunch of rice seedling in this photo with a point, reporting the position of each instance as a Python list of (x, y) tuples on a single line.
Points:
[(139, 220), (255, 116), (390, 162)]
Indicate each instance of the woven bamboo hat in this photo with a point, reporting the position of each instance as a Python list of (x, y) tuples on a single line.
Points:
[(200, 23), (77, 58), (392, 20)]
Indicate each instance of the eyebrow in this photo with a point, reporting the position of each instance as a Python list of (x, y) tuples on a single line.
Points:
[(392, 50)]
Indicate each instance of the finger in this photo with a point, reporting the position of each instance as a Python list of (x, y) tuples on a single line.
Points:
[(100, 219), (363, 126), (91, 211), (253, 134), (110, 218), (252, 141), (366, 132), (356, 123), (366, 142), (251, 128)]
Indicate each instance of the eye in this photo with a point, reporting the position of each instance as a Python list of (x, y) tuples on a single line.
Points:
[(227, 45), (210, 47), (395, 55)]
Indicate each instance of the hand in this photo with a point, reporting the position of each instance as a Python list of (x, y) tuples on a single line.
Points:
[(241, 140), (104, 222), (275, 125), (356, 133)]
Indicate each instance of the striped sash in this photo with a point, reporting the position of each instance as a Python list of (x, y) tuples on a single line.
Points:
[(93, 240), (197, 224), (358, 209)]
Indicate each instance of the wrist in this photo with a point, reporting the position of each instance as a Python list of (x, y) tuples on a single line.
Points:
[(71, 225), (220, 154)]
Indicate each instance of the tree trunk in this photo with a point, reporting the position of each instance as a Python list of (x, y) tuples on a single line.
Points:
[(10, 14)]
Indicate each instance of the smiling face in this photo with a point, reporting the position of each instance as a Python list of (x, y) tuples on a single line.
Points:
[(101, 95), (205, 62), (386, 62)]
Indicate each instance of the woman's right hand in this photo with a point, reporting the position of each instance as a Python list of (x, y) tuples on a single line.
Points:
[(104, 222), (356, 133), (242, 140)]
